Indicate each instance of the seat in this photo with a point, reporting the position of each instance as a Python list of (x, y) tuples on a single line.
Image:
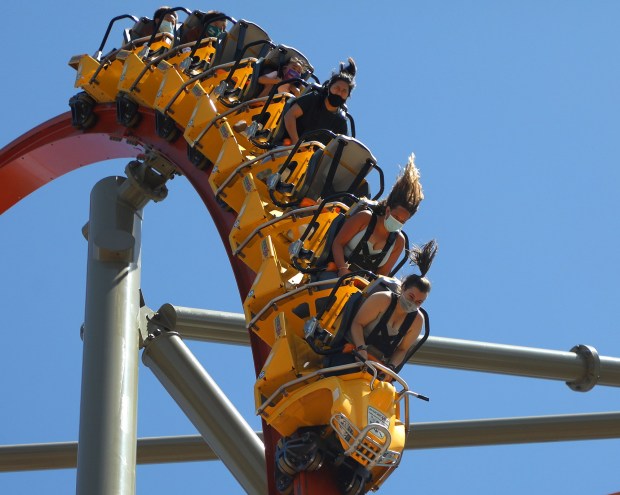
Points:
[(226, 180), (275, 59), (194, 27), (340, 168), (142, 28), (196, 45), (202, 130), (245, 39)]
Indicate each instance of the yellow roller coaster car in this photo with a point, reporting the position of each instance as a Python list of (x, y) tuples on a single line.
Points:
[(141, 78), (351, 415), (99, 76), (254, 120), (229, 70), (346, 415), (226, 178), (300, 303), (285, 231)]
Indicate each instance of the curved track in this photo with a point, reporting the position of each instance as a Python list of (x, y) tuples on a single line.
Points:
[(55, 148)]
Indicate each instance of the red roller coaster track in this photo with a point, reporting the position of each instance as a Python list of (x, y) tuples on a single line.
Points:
[(55, 148)]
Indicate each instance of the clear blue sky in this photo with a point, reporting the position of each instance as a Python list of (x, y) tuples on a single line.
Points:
[(512, 110)]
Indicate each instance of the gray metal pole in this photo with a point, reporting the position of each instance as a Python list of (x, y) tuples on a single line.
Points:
[(532, 429), (108, 410), (207, 325), (469, 433), (208, 408), (568, 366), (515, 360)]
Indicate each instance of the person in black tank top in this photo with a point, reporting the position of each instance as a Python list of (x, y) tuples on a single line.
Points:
[(387, 325)]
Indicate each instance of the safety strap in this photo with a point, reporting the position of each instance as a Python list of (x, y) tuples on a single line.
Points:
[(281, 57), (379, 336), (334, 165), (362, 246), (240, 42), (361, 175)]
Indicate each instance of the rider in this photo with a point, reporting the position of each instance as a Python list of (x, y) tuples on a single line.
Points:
[(218, 26), (294, 68), (167, 20), (387, 324), (321, 109), (372, 239)]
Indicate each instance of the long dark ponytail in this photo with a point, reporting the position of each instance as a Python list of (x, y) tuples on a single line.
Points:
[(346, 73), (423, 258)]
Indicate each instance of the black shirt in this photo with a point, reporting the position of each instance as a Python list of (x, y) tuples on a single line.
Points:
[(317, 116)]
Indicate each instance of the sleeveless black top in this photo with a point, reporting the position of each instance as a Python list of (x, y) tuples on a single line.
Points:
[(361, 258), (380, 339)]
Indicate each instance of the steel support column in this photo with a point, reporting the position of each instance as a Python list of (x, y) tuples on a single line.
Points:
[(108, 411)]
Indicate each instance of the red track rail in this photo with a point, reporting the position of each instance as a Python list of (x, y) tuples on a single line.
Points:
[(55, 148)]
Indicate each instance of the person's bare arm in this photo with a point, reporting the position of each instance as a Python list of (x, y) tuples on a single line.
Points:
[(269, 81), (290, 121)]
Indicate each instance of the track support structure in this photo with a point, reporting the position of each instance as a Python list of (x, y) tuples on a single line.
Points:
[(442, 434), (106, 463), (206, 406), (108, 408)]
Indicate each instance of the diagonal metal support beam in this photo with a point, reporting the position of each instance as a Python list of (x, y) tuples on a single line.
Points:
[(580, 368), (470, 433), (206, 406)]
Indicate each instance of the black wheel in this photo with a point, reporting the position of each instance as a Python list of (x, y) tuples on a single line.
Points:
[(317, 461), (284, 483), (198, 159), (354, 487), (285, 465), (354, 482), (223, 204), (286, 460), (127, 111), (166, 127), (82, 111)]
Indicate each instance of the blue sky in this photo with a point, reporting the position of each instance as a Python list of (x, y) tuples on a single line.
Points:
[(512, 111)]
